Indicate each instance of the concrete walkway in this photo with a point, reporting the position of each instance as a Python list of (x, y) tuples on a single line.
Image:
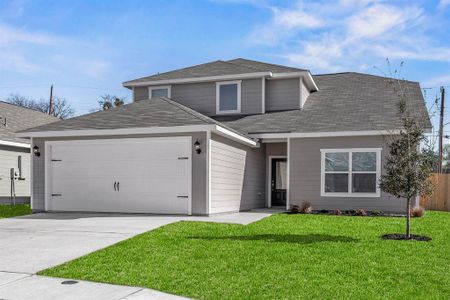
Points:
[(34, 287), (33, 243)]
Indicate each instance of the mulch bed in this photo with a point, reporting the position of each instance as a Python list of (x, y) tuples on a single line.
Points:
[(398, 236), (350, 213)]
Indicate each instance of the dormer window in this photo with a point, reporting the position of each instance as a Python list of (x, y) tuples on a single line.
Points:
[(228, 97), (159, 91)]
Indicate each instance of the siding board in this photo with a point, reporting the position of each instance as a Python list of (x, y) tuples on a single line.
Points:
[(237, 176)]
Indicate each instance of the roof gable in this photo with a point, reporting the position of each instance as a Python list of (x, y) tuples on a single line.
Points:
[(19, 118)]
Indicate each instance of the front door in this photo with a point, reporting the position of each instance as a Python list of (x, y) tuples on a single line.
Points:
[(279, 181)]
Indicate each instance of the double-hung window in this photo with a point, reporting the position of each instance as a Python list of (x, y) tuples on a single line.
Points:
[(350, 172), (228, 97), (159, 91)]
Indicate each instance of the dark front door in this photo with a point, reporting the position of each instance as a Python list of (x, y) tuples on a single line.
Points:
[(279, 181)]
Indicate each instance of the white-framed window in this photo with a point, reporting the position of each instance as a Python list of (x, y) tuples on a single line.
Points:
[(228, 97), (350, 172), (159, 91)]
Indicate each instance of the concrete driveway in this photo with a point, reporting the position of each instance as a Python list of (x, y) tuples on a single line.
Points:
[(32, 243)]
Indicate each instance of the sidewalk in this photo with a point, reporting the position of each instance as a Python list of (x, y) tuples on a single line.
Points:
[(17, 286)]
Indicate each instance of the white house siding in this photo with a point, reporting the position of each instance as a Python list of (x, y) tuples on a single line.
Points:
[(305, 175), (9, 159), (237, 176)]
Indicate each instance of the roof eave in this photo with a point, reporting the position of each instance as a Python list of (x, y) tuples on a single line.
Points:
[(131, 84)]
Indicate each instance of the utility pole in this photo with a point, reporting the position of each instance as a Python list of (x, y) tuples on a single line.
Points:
[(441, 130), (50, 109)]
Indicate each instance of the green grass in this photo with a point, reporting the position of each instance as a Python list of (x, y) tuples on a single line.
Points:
[(280, 257), (8, 211)]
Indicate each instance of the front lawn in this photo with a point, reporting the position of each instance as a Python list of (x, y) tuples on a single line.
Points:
[(283, 256), (8, 211)]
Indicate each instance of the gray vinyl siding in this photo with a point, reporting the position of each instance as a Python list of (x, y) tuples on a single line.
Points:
[(140, 93), (201, 97), (251, 96), (9, 159), (199, 204), (237, 176), (305, 168), (282, 94)]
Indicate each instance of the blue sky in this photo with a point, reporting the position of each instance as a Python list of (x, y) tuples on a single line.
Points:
[(88, 48)]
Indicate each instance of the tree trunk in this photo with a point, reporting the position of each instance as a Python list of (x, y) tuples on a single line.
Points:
[(408, 218)]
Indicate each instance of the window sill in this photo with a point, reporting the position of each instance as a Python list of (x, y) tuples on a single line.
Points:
[(351, 195)]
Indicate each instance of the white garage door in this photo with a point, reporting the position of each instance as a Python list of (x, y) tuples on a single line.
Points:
[(142, 175)]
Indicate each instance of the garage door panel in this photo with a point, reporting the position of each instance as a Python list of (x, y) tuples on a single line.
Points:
[(151, 175)]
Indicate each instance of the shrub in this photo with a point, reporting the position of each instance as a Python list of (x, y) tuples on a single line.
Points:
[(351, 212), (417, 212), (306, 207), (377, 212), (337, 212), (295, 209), (361, 212)]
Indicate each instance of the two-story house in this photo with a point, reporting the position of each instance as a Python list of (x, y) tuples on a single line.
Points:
[(226, 136)]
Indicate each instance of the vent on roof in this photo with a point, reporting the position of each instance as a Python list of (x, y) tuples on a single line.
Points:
[(3, 121)]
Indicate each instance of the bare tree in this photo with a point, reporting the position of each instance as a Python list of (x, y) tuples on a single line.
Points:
[(61, 108), (109, 101)]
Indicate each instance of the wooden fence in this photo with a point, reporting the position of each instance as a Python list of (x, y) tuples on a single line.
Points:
[(439, 200)]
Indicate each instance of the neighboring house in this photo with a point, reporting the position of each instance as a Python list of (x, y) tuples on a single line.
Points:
[(226, 136), (15, 152)]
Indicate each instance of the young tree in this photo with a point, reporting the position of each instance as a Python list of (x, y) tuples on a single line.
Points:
[(109, 101), (61, 108), (407, 167)]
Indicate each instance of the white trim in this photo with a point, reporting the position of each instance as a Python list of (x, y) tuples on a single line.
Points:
[(14, 144), (133, 96), (323, 134), (208, 173), (269, 177), (238, 109), (47, 174), (300, 92), (197, 79), (234, 136), (119, 131), (312, 81), (263, 95), (377, 193), (31, 175), (159, 87), (145, 130), (190, 172), (288, 160)]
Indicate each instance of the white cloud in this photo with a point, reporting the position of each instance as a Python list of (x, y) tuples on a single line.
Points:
[(444, 3), (284, 24), (357, 34), (23, 51), (11, 35), (438, 81), (380, 19), (292, 19)]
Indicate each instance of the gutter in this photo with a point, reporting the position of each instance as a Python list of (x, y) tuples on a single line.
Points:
[(217, 129), (14, 144)]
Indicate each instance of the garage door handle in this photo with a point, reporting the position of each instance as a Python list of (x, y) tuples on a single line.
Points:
[(115, 185), (182, 196), (118, 186), (184, 157)]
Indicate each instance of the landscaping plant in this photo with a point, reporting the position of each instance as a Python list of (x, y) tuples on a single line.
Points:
[(407, 168)]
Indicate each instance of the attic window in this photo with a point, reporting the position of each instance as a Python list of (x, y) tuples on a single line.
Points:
[(228, 97), (159, 91)]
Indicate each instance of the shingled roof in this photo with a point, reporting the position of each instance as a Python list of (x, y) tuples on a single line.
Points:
[(155, 112), (344, 102), (217, 68), (19, 118)]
